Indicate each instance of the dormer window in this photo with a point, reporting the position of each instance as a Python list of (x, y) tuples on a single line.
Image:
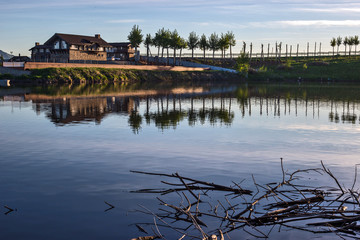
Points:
[(56, 45), (63, 45)]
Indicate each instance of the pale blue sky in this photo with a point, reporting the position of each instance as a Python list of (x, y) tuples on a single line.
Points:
[(24, 22)]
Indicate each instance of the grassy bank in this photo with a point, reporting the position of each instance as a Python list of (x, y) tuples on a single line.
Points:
[(339, 69), (105, 75)]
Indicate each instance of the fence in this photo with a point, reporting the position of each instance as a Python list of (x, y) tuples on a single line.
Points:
[(264, 55), (13, 64)]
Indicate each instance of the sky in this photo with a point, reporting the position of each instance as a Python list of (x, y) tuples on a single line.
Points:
[(24, 22)]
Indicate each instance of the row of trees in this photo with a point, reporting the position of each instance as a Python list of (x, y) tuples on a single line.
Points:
[(347, 41), (165, 39)]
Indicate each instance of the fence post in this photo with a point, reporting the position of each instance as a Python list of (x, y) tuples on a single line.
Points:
[(307, 53), (315, 51), (250, 51), (297, 52)]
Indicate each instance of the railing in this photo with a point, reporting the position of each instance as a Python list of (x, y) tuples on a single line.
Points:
[(265, 55)]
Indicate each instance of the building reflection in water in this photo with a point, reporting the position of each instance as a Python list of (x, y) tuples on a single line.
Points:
[(169, 110), (81, 110)]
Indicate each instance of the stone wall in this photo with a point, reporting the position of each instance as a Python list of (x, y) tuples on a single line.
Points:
[(84, 55)]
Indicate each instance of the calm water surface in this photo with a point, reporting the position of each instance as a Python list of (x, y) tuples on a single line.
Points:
[(64, 151)]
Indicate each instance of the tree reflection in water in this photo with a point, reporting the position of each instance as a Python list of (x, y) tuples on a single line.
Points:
[(167, 109)]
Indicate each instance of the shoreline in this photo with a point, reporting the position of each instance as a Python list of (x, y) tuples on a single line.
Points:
[(326, 70)]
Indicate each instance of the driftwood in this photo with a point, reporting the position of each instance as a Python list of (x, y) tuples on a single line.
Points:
[(288, 205)]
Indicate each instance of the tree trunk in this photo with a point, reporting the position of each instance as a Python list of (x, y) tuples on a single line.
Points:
[(213, 55), (147, 54), (174, 63), (167, 56), (135, 54), (180, 56), (192, 53), (158, 51), (230, 52), (204, 53)]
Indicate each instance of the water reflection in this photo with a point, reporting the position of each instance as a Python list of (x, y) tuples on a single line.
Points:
[(168, 108)]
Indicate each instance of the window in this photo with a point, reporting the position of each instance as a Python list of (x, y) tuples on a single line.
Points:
[(63, 45), (57, 45)]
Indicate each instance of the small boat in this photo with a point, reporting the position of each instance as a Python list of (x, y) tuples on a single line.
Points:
[(4, 83)]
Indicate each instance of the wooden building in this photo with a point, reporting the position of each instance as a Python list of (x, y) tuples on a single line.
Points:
[(72, 48), (121, 51)]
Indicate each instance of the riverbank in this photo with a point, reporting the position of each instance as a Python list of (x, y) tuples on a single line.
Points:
[(108, 75), (319, 69), (343, 70)]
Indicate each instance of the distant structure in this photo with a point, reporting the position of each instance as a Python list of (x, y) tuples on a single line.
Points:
[(19, 59), (121, 51), (72, 48)]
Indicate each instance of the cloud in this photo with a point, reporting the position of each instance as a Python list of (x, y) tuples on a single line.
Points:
[(307, 23), (125, 21)]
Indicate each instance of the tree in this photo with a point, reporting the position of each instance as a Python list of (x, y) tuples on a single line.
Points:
[(135, 37), (346, 42), (148, 42), (214, 43), (224, 44), (165, 42), (157, 40), (333, 44), (356, 42), (232, 41), (350, 43), (338, 43), (203, 43), (175, 43), (193, 42), (183, 45)]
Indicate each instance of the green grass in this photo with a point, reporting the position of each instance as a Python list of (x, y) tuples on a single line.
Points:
[(340, 70)]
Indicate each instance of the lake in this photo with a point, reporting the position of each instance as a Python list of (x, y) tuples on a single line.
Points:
[(66, 150)]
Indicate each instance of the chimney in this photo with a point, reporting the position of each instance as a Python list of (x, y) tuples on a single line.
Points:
[(37, 43), (97, 36)]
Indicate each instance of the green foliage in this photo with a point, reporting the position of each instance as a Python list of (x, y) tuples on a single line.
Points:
[(135, 37), (203, 43), (243, 58), (175, 40), (224, 42), (263, 69), (242, 64), (231, 37), (193, 41), (288, 63), (148, 40), (214, 42)]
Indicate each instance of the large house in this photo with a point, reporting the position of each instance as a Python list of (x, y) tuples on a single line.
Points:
[(77, 48), (121, 51)]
